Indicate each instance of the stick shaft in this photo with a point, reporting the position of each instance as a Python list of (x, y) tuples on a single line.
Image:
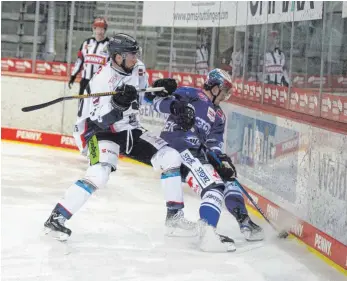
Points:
[(43, 105), (244, 191), (255, 204)]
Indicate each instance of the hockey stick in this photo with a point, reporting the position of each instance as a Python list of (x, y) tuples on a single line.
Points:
[(43, 105), (281, 233)]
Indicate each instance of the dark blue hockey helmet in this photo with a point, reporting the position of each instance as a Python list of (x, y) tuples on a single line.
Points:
[(221, 79), (123, 44), (218, 77)]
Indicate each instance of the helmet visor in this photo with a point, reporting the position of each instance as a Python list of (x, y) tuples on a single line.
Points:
[(133, 55)]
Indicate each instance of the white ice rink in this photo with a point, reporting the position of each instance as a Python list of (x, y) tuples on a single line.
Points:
[(119, 233)]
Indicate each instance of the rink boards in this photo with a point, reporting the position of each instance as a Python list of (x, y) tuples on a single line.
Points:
[(332, 251)]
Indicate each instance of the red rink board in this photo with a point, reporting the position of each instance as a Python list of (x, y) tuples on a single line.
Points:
[(323, 243)]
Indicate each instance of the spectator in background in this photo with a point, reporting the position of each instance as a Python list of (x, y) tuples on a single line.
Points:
[(92, 54), (237, 61), (202, 53), (174, 60), (275, 72), (226, 60)]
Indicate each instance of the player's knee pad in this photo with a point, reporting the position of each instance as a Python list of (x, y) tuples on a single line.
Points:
[(211, 206), (233, 197), (104, 152), (194, 184), (231, 189), (166, 158), (97, 175)]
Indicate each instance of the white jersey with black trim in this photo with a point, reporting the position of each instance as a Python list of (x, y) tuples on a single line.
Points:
[(274, 63), (90, 57), (201, 60), (98, 109)]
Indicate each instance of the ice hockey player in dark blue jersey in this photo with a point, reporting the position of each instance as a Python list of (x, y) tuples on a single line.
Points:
[(212, 181)]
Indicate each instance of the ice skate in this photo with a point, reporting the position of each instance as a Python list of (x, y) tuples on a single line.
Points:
[(55, 224), (250, 230), (177, 225), (211, 241)]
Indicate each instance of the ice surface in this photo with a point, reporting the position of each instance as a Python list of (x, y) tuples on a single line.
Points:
[(119, 233)]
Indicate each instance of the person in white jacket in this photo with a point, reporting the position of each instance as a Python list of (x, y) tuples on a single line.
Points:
[(275, 72)]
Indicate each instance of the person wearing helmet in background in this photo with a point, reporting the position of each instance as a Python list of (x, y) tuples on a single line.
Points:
[(199, 147), (109, 126), (91, 56)]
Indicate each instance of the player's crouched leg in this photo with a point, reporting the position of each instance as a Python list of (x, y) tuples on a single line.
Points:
[(210, 209), (235, 204), (169, 161), (103, 160)]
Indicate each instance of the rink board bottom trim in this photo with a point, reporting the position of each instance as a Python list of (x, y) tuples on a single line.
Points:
[(320, 242)]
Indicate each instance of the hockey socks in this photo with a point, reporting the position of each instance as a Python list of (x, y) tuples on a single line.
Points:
[(74, 198), (234, 200), (235, 204), (172, 186), (210, 209), (211, 206)]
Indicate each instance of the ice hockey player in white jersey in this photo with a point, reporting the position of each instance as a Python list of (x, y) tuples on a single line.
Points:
[(109, 126)]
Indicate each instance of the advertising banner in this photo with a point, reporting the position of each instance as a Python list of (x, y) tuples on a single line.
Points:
[(327, 184), (260, 12), (334, 107), (305, 101), (296, 166), (228, 13), (189, 13), (151, 119), (260, 147)]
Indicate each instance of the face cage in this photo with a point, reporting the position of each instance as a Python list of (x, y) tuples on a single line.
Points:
[(226, 91), (130, 55)]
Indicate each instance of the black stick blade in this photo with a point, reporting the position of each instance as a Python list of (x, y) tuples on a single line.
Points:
[(283, 234), (42, 105)]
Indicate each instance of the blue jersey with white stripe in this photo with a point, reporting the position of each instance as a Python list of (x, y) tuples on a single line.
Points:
[(209, 122)]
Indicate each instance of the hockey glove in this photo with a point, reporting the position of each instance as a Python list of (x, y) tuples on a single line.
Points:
[(126, 94), (72, 80), (223, 165), (184, 114), (169, 84)]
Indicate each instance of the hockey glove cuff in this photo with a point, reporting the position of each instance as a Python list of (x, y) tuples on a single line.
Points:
[(72, 80)]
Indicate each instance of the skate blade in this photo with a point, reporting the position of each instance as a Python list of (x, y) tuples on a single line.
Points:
[(179, 232), (253, 237), (217, 247), (60, 236), (210, 242)]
